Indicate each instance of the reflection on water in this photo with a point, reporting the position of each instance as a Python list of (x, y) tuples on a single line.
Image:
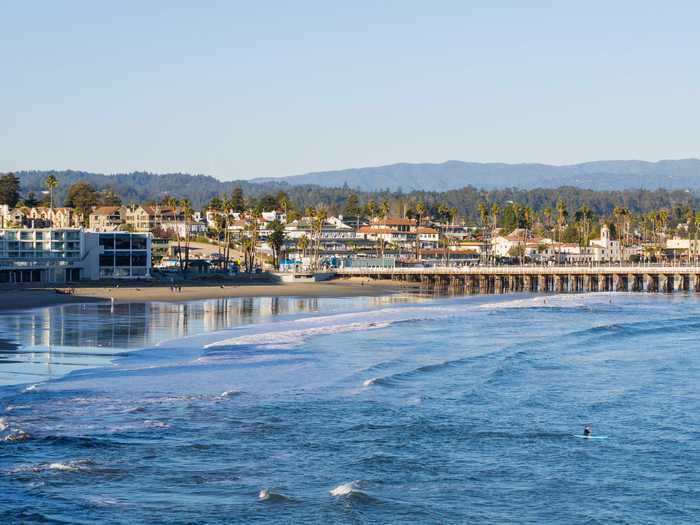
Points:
[(39, 344)]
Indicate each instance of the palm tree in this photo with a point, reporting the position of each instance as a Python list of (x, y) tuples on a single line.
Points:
[(188, 212), (695, 235), (172, 203), (692, 229), (317, 222), (495, 211), (483, 214), (584, 217), (453, 215), (420, 211), (303, 244), (547, 212), (371, 209), (51, 184), (384, 209)]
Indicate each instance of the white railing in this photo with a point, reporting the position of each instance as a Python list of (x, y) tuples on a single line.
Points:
[(525, 270)]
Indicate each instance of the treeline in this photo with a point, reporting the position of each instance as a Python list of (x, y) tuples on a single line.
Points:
[(465, 202)]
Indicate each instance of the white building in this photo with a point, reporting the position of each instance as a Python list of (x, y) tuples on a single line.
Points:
[(604, 249), (508, 245), (70, 254)]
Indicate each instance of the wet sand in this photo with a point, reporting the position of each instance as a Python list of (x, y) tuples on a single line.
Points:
[(16, 299)]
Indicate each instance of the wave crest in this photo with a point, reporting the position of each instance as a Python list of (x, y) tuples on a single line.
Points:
[(351, 488)]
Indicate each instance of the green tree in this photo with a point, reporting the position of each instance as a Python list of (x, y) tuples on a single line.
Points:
[(303, 244), (371, 209), (9, 190), (352, 206), (237, 201), (267, 203), (283, 202), (277, 237), (215, 204), (109, 197), (384, 209), (188, 212), (51, 185), (82, 197), (30, 201), (420, 211)]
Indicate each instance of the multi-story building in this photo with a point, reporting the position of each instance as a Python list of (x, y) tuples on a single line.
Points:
[(55, 217), (107, 218), (69, 254), (404, 233)]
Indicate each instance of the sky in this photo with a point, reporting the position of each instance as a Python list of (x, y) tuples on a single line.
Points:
[(248, 89)]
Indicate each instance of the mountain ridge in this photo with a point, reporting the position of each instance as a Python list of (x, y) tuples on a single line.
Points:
[(454, 174)]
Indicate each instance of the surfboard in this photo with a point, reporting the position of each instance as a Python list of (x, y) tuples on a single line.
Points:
[(589, 437)]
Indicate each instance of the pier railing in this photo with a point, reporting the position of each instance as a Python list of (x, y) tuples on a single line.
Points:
[(650, 269), (500, 279)]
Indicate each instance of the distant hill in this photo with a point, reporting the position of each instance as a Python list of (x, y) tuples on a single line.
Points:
[(142, 186), (453, 174), (327, 187)]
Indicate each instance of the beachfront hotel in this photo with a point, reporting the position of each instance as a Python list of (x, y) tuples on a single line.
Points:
[(65, 255)]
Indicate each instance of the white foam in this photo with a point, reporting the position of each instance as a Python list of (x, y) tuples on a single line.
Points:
[(69, 466), (291, 334), (18, 435), (557, 301), (294, 338), (369, 382), (230, 393), (154, 423), (346, 489), (62, 466), (4, 425)]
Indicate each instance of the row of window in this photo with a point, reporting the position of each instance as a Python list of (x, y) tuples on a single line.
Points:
[(123, 241), (109, 272), (123, 259), (40, 254), (39, 235)]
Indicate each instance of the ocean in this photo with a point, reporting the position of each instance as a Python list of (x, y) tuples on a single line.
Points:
[(400, 409)]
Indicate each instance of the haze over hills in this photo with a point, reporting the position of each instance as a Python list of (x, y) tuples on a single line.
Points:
[(453, 174)]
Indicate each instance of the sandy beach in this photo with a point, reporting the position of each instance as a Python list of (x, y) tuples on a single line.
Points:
[(23, 298)]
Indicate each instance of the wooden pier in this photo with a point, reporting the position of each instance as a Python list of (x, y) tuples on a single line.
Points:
[(544, 279)]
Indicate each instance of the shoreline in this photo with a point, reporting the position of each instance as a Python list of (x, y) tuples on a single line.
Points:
[(28, 298)]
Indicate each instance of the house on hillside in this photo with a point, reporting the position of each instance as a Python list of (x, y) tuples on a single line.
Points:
[(107, 218)]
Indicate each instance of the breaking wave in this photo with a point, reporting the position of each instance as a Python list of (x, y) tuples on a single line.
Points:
[(68, 466), (270, 496), (351, 488)]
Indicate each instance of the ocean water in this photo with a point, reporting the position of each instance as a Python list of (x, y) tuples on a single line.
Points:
[(394, 410)]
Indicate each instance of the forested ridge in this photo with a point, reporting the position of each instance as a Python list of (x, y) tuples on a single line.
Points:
[(140, 187)]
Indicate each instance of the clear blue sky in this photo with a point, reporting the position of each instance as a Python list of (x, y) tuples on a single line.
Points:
[(250, 89)]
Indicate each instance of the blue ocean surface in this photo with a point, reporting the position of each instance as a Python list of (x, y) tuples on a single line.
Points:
[(384, 410)]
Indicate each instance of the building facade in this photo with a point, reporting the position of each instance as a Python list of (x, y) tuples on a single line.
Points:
[(65, 255)]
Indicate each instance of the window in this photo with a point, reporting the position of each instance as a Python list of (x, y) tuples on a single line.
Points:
[(107, 242), (107, 259), (122, 260), (139, 259), (122, 241), (138, 242)]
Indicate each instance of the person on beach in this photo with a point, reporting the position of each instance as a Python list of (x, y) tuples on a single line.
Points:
[(587, 431)]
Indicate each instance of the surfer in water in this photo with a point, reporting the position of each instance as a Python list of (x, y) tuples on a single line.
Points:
[(587, 431)]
